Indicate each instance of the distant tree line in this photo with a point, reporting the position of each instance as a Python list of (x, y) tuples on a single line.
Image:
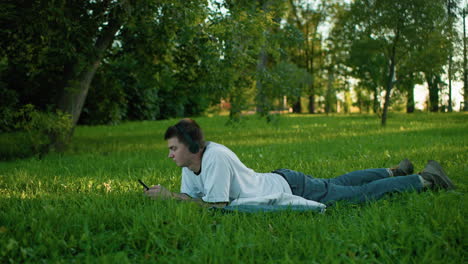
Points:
[(103, 62)]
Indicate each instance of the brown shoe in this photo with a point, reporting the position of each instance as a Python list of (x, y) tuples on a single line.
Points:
[(434, 173), (405, 167)]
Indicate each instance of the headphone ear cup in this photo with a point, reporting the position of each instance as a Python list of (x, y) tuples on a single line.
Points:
[(194, 148)]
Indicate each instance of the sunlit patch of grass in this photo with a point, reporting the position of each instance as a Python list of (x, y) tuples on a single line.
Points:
[(86, 206)]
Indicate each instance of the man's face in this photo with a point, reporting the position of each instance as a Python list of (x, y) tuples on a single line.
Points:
[(179, 153)]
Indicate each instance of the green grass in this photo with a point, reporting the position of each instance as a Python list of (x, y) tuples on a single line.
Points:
[(85, 206)]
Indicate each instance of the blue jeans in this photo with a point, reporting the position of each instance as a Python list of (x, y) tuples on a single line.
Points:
[(357, 186)]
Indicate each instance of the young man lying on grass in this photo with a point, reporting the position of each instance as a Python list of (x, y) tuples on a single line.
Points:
[(213, 175)]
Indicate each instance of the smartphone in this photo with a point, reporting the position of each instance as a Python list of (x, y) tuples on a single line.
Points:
[(144, 185)]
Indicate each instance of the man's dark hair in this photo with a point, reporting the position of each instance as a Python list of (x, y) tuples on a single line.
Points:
[(188, 132)]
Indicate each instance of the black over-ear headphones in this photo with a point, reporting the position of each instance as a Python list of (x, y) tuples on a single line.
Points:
[(193, 146)]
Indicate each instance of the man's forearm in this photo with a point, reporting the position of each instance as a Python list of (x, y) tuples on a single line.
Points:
[(181, 196), (185, 197)]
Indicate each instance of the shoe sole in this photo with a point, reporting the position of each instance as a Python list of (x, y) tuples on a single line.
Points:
[(442, 179)]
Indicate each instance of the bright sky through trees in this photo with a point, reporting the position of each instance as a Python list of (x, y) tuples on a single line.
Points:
[(421, 91)]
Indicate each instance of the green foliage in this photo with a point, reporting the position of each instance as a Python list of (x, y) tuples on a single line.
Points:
[(307, 17), (86, 206), (286, 79), (43, 128), (46, 44), (165, 56), (108, 101), (410, 33), (8, 101), (179, 57)]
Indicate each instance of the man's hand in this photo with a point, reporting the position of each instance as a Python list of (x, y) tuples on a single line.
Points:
[(159, 192)]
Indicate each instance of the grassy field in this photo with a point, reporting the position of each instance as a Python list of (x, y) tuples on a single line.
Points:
[(85, 206)]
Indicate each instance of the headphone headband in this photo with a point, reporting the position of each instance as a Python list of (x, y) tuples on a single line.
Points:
[(193, 146)]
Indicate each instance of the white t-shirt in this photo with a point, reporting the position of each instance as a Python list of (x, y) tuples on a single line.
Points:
[(224, 178)]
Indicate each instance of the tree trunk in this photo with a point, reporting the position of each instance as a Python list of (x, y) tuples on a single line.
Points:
[(410, 99), (310, 57), (347, 102), (388, 90), (262, 100), (73, 97), (375, 103), (310, 67), (311, 105), (297, 106), (330, 91), (235, 110), (309, 54), (465, 68), (391, 75), (450, 30), (262, 105), (433, 86), (450, 84)]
